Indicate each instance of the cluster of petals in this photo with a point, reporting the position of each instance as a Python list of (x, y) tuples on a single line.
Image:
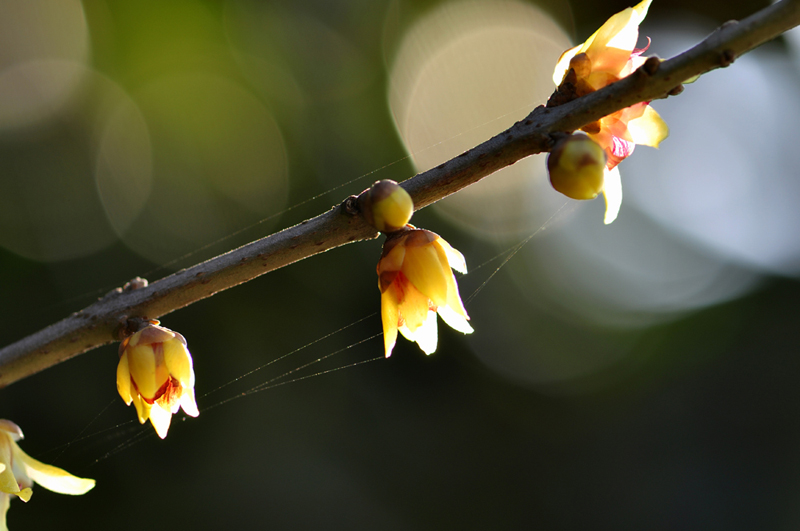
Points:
[(607, 56), (155, 373), (416, 281), (18, 472)]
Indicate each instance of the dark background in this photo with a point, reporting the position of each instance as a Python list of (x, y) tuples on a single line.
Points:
[(691, 422)]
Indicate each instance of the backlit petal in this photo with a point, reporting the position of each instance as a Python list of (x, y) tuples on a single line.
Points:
[(179, 362), (188, 402), (454, 320), (53, 478), (413, 309), (124, 379), (422, 266), (426, 335), (389, 317), (160, 419), (612, 191), (563, 64), (648, 129), (5, 501), (142, 408), (454, 258)]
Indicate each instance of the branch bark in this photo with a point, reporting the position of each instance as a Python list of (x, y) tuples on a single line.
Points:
[(99, 323)]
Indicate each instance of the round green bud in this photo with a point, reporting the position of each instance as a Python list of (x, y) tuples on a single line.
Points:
[(577, 167), (386, 206)]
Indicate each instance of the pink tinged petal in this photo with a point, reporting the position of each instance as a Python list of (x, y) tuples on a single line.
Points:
[(454, 258), (124, 380), (389, 317), (53, 478), (393, 260), (188, 403), (648, 129), (160, 419), (179, 362), (612, 192), (153, 334), (13, 431), (423, 267)]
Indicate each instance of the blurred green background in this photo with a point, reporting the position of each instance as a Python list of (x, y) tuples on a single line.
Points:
[(641, 375)]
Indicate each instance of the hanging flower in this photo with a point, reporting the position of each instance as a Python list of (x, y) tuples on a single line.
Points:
[(416, 283), (606, 57), (18, 472), (155, 373)]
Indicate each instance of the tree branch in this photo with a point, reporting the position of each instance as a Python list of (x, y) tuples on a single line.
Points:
[(100, 323)]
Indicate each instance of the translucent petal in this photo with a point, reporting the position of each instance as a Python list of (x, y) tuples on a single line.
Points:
[(389, 317), (160, 419), (422, 266), (179, 362), (413, 309), (454, 258), (455, 320), (13, 431), (53, 478), (124, 379), (8, 483), (4, 503), (426, 335), (612, 191), (188, 402), (648, 129), (142, 408), (563, 64)]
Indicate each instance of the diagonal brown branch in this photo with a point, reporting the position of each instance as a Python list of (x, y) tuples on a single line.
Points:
[(99, 323)]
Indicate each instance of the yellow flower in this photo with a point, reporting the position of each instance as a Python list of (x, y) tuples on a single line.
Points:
[(416, 283), (18, 471), (577, 167), (606, 57), (155, 373)]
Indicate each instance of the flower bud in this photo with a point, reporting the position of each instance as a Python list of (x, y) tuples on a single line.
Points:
[(577, 166), (386, 206)]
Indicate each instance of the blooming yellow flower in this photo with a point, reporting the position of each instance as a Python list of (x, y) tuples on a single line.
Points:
[(416, 283), (608, 56), (18, 471), (155, 373)]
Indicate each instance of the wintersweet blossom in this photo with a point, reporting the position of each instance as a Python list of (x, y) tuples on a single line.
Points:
[(155, 373), (18, 472), (416, 283), (606, 57)]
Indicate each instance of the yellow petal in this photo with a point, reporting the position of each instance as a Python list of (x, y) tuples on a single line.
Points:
[(188, 402), (621, 31), (425, 335), (148, 375), (160, 419), (8, 483), (393, 260), (648, 129), (142, 408), (4, 503), (413, 309), (389, 317), (422, 266), (179, 362), (562, 66), (13, 431), (124, 379), (53, 478), (454, 320), (612, 191), (454, 258)]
